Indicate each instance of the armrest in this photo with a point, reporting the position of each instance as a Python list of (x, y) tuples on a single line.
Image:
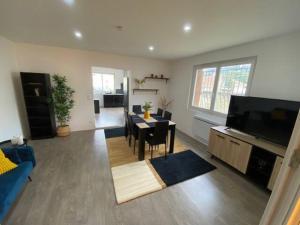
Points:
[(20, 154)]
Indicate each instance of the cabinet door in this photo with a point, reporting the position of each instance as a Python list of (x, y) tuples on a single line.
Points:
[(238, 154), (217, 144), (276, 169)]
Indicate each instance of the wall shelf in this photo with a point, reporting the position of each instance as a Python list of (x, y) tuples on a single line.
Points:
[(144, 90), (158, 78)]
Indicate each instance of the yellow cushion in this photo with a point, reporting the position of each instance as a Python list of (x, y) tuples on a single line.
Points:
[(5, 164)]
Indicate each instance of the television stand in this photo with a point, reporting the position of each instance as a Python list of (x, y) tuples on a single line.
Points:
[(235, 148)]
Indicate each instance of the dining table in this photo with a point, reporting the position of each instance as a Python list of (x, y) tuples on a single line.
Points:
[(146, 126)]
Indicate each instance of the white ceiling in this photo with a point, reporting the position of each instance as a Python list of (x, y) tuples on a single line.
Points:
[(215, 24)]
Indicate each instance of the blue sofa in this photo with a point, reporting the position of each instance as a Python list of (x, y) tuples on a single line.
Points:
[(12, 182)]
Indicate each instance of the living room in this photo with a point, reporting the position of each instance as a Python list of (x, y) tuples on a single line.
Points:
[(162, 57)]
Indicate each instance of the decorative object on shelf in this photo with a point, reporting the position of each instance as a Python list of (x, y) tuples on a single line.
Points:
[(139, 83), (147, 107), (37, 91), (158, 78), (40, 111), (62, 98), (152, 75), (165, 103)]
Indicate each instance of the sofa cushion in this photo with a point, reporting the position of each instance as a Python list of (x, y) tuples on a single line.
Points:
[(5, 164), (11, 184)]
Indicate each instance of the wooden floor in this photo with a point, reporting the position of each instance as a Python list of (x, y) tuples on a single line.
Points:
[(120, 153), (72, 185)]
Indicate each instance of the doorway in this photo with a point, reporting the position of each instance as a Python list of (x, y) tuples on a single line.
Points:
[(109, 97)]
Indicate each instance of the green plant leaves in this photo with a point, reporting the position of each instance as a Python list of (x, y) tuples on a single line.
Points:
[(62, 99)]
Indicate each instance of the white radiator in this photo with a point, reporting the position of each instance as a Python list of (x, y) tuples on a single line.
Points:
[(201, 128)]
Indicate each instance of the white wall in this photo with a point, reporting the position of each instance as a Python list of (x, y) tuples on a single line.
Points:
[(10, 122), (276, 76), (76, 65)]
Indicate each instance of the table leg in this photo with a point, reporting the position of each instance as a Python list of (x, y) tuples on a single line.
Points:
[(172, 139), (142, 135)]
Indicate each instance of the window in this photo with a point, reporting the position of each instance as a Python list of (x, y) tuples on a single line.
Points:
[(108, 81), (213, 84), (102, 84)]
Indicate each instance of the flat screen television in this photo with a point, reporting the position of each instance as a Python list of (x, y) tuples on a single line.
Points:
[(270, 119)]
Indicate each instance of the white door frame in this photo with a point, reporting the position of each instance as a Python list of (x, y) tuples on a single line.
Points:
[(287, 186)]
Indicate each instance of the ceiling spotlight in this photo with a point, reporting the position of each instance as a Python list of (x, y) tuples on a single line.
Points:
[(119, 28), (187, 28), (151, 48), (78, 34)]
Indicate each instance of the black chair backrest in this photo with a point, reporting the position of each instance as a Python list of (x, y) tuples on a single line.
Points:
[(133, 130), (167, 115), (126, 116), (160, 112), (160, 132), (130, 124), (137, 109)]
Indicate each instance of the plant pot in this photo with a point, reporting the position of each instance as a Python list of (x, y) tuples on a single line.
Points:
[(146, 115), (63, 131)]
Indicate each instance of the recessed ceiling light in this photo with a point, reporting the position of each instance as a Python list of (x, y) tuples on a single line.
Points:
[(119, 28), (151, 48), (78, 34), (187, 27), (69, 2)]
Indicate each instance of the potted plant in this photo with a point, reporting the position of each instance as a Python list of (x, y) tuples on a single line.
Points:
[(147, 107), (62, 98)]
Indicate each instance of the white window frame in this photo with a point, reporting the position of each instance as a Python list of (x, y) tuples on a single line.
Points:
[(249, 60)]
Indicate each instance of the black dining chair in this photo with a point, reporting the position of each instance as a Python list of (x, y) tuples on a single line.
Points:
[(133, 133), (159, 112), (137, 109), (159, 136), (167, 115)]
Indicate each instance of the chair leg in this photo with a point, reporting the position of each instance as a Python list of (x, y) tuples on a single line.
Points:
[(130, 141), (165, 150), (151, 151), (134, 146)]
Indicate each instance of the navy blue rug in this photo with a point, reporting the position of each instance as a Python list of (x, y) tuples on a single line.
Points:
[(114, 132), (180, 166)]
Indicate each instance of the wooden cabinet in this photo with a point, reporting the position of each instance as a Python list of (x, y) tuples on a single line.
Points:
[(217, 144), (232, 151), (276, 169), (238, 154), (237, 149)]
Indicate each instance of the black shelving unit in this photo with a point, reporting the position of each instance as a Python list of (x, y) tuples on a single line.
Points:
[(40, 111)]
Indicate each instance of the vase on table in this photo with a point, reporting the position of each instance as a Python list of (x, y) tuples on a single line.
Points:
[(146, 115)]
